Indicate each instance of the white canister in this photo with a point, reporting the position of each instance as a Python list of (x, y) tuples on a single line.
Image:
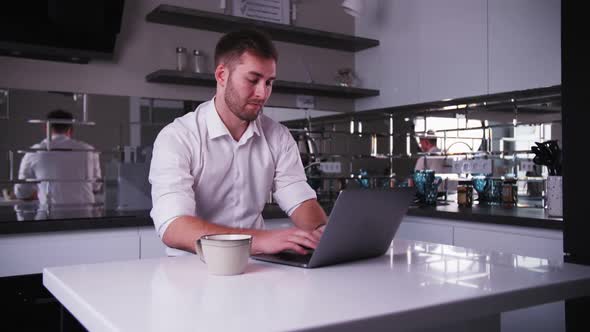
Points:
[(554, 196)]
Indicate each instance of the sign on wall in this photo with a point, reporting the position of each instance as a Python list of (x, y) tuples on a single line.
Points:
[(276, 11)]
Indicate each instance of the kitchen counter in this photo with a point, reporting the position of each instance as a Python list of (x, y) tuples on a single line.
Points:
[(415, 285), (13, 222), (32, 221), (525, 215)]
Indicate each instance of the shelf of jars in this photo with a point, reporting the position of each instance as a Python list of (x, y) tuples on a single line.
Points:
[(204, 20)]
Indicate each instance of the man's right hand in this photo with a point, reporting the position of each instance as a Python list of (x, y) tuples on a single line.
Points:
[(274, 241)]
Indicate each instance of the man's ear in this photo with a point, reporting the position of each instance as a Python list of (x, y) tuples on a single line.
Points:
[(221, 74)]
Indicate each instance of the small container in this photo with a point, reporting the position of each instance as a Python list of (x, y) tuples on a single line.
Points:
[(509, 191), (198, 61), (181, 59), (465, 193)]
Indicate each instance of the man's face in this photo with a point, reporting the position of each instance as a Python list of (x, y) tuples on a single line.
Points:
[(424, 145), (249, 85)]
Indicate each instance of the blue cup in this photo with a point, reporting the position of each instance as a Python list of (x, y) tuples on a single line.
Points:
[(489, 190), (426, 186)]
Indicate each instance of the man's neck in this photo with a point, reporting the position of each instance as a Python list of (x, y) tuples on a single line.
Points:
[(236, 126)]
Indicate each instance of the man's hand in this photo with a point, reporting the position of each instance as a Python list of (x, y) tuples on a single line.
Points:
[(274, 241)]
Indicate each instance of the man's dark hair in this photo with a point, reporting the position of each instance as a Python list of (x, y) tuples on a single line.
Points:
[(232, 45), (60, 114)]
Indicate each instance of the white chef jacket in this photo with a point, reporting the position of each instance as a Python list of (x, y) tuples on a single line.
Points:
[(428, 162), (73, 167), (198, 169)]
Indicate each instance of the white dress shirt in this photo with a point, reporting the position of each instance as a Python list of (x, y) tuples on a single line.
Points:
[(198, 169), (68, 169)]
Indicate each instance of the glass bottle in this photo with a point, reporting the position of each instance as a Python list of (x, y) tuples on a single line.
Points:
[(198, 61), (465, 193), (181, 58), (509, 191)]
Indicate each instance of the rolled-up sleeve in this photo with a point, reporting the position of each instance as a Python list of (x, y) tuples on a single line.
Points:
[(290, 187), (170, 176)]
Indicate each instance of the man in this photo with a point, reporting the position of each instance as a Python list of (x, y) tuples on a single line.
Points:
[(428, 145), (69, 164), (213, 168)]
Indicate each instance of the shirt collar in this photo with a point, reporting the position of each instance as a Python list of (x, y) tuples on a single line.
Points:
[(217, 128), (58, 137)]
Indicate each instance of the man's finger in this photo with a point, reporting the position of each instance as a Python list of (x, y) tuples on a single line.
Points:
[(303, 241), (308, 235), (297, 248)]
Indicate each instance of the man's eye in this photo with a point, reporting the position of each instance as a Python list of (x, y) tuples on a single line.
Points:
[(269, 83), (253, 81)]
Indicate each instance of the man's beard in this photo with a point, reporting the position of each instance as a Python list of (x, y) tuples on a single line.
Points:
[(236, 106)]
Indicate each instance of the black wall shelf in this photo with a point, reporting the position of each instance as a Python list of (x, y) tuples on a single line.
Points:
[(198, 79), (198, 19)]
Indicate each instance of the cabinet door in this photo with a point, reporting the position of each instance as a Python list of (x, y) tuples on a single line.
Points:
[(524, 44), (413, 228), (533, 243), (30, 253), (151, 245), (393, 65), (452, 49)]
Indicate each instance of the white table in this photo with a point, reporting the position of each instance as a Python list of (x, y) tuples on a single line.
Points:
[(415, 286)]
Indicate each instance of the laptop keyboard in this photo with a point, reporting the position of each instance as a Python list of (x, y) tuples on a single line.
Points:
[(294, 257)]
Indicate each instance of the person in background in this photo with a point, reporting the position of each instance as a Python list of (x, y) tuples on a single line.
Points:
[(427, 145), (69, 164), (212, 169)]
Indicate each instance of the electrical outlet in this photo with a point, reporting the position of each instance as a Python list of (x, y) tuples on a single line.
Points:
[(482, 166), (305, 101), (330, 167), (475, 166), (527, 166)]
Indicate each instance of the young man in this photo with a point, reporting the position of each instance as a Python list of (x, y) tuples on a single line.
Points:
[(213, 168), (71, 171)]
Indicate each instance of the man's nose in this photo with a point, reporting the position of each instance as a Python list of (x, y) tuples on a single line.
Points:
[(261, 90)]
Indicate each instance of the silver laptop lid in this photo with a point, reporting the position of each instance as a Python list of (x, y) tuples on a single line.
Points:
[(362, 224)]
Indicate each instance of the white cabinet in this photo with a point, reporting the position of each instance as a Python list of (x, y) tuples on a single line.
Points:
[(393, 66), (429, 50), (546, 244), (30, 253), (413, 228), (524, 44), (452, 49), (150, 244), (537, 244)]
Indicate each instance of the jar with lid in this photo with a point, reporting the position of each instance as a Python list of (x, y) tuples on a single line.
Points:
[(465, 193), (181, 59), (198, 61), (509, 191)]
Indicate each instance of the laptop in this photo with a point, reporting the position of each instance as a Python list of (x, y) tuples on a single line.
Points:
[(362, 225)]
